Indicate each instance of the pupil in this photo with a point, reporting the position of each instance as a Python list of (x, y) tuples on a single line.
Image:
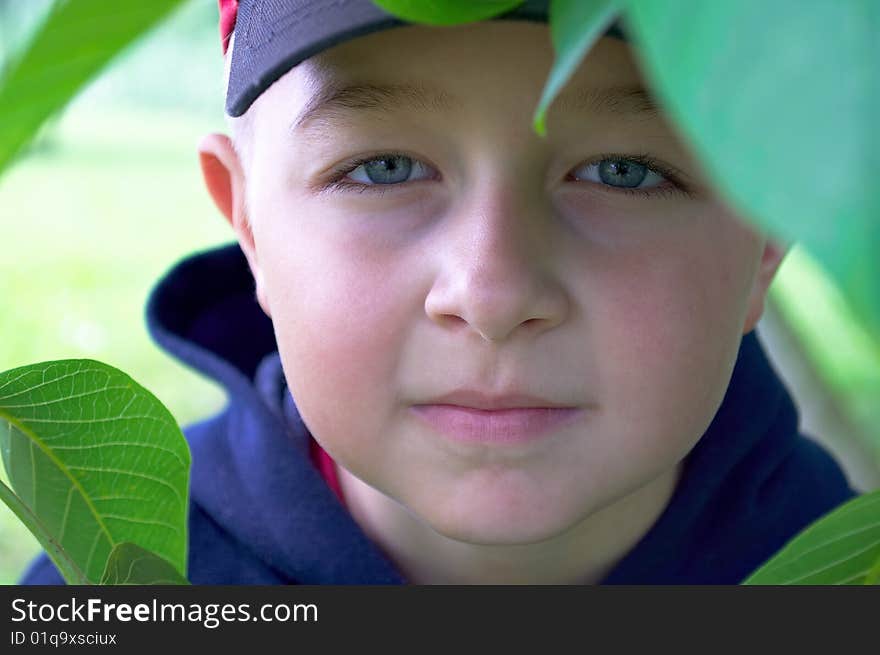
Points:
[(622, 173)]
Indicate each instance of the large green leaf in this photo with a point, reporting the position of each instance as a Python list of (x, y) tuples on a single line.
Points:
[(97, 460), (446, 12), (840, 548), (780, 101), (574, 27), (78, 38), (129, 564)]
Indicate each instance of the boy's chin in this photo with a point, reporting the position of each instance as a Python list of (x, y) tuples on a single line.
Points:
[(504, 533), (485, 523)]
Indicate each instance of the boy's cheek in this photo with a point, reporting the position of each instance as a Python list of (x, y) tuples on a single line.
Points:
[(662, 378), (668, 338), (341, 343)]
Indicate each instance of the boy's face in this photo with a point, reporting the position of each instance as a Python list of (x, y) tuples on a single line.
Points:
[(490, 259)]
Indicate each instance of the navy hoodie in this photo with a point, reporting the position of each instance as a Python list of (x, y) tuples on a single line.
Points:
[(261, 513)]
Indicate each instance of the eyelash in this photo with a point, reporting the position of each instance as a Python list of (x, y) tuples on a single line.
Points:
[(673, 176)]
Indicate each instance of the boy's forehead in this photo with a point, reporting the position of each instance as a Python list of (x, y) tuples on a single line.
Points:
[(334, 101), (377, 74)]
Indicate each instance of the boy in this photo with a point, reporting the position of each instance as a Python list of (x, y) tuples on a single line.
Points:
[(456, 352)]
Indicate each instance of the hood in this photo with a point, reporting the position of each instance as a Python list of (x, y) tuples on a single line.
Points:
[(748, 486)]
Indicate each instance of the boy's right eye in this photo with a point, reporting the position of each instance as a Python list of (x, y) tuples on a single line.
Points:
[(380, 170)]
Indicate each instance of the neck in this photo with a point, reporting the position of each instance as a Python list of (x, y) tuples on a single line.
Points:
[(584, 554)]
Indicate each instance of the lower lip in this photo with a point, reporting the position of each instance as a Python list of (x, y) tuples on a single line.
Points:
[(500, 426)]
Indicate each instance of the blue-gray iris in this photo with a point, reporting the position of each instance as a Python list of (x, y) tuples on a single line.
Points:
[(388, 170)]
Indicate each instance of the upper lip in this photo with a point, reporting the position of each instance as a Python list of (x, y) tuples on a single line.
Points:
[(483, 400)]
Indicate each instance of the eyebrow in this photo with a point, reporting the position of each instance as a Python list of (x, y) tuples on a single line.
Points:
[(335, 101)]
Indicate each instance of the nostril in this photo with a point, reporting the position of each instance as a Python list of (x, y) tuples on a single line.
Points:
[(452, 321)]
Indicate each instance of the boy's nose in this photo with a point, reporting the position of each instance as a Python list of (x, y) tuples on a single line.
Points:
[(496, 272)]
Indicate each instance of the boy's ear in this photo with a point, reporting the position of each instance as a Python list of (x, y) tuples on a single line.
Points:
[(225, 180), (771, 258)]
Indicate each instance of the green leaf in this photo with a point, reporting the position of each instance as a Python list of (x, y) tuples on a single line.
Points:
[(575, 25), (77, 40), (68, 568), (446, 12), (129, 564), (842, 547), (96, 460), (780, 101)]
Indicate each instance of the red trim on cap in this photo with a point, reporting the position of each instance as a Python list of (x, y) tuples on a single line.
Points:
[(228, 13)]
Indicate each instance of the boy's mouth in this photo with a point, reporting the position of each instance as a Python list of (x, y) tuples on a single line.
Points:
[(482, 400), (477, 417)]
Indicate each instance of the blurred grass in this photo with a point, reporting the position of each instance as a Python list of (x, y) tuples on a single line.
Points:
[(93, 226)]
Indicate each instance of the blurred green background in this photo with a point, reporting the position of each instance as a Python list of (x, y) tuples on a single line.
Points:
[(106, 200), (110, 196)]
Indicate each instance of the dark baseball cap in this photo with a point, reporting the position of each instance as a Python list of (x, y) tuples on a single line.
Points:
[(273, 36)]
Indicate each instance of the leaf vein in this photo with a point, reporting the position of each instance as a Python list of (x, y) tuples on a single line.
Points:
[(160, 481), (66, 398), (131, 519), (125, 444), (831, 565)]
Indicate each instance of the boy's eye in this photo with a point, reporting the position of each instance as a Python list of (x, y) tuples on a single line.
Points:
[(620, 173), (386, 169)]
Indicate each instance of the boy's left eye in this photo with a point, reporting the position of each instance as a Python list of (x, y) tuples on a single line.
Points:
[(631, 174), (621, 173)]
